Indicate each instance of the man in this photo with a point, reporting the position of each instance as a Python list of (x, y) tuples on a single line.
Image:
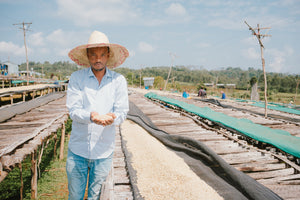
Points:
[(97, 100), (223, 95)]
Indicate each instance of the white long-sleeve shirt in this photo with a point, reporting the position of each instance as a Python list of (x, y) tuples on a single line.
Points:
[(85, 95)]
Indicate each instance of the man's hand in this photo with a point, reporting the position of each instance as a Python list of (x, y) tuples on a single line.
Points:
[(103, 120)]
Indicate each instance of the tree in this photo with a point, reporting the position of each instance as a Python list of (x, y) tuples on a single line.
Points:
[(253, 80), (158, 82)]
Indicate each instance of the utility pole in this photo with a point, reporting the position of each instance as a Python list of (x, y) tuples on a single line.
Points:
[(260, 36), (141, 77), (297, 84), (132, 79), (42, 71), (173, 56), (24, 28)]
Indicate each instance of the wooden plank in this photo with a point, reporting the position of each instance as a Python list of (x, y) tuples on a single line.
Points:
[(245, 157), (16, 143), (179, 129), (230, 149), (123, 192), (259, 167), (44, 114), (107, 190), (288, 192), (279, 179), (7, 126), (168, 122), (120, 175), (272, 174)]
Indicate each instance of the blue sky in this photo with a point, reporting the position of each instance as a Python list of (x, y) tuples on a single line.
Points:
[(208, 34)]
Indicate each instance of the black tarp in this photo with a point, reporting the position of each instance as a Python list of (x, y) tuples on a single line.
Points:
[(225, 179)]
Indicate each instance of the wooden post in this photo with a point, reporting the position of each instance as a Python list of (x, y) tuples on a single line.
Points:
[(62, 142), (24, 96), (11, 99), (33, 175), (265, 80), (55, 144), (141, 78), (173, 56), (259, 36), (40, 159), (297, 84), (22, 183), (33, 94)]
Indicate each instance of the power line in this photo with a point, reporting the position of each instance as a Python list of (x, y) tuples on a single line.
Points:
[(259, 36), (25, 27)]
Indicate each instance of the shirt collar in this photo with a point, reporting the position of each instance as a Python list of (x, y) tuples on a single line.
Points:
[(107, 73)]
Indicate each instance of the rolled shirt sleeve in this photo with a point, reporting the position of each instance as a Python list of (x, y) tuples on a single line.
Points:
[(121, 105), (75, 101)]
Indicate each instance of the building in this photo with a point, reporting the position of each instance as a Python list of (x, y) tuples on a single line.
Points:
[(9, 68), (148, 81)]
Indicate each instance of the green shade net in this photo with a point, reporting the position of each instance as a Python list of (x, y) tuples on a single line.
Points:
[(274, 106), (278, 138), (271, 105)]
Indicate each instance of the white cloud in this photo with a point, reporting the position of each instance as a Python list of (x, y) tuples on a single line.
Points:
[(175, 9), (251, 53), (93, 12), (36, 39), (11, 49), (63, 52), (278, 58), (145, 47), (277, 64), (44, 50), (58, 37), (226, 23), (250, 40), (203, 45)]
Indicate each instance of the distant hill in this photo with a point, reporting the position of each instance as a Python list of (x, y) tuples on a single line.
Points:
[(277, 82), (60, 69)]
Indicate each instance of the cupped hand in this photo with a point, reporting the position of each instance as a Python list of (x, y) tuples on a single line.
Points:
[(103, 120)]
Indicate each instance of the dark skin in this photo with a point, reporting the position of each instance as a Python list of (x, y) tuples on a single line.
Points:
[(98, 57)]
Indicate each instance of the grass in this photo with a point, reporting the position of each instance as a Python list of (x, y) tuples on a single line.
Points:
[(54, 184)]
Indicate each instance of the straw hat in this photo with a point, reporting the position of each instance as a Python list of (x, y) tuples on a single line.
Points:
[(117, 54)]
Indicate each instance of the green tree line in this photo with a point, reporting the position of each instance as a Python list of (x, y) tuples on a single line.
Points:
[(277, 82), (59, 69)]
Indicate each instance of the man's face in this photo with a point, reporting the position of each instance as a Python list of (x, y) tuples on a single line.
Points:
[(98, 57)]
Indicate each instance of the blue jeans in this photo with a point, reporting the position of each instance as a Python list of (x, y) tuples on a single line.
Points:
[(80, 169)]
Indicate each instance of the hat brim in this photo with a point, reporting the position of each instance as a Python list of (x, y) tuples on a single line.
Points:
[(117, 54)]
